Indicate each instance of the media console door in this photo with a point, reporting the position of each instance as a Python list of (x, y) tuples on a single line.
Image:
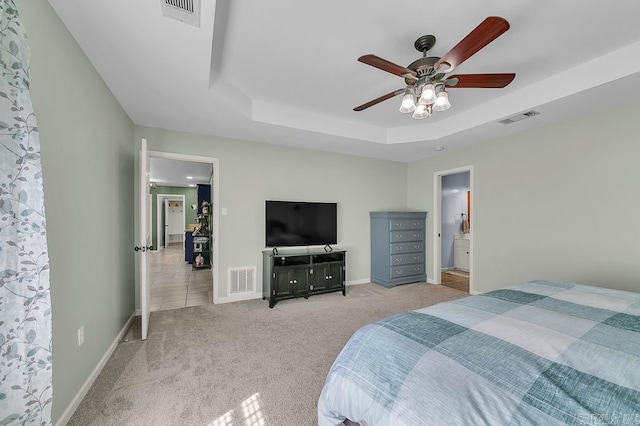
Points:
[(290, 281), (290, 275)]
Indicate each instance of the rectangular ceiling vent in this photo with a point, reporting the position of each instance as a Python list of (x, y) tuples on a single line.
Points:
[(242, 280), (187, 11), (519, 117)]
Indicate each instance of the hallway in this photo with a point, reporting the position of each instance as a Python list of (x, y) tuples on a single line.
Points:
[(173, 283)]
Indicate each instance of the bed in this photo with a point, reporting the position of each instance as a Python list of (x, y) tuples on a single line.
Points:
[(539, 353)]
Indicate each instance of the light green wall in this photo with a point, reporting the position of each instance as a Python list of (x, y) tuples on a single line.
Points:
[(190, 196), (555, 203), (251, 173), (87, 161)]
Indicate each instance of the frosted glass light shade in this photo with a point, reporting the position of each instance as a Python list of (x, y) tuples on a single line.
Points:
[(442, 102), (408, 104), (422, 111), (428, 95)]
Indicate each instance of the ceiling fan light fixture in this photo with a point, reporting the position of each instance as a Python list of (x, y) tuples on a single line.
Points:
[(422, 111), (426, 77), (442, 102), (408, 104), (428, 94)]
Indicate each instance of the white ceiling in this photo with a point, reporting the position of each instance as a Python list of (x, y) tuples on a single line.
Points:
[(286, 71), (166, 172)]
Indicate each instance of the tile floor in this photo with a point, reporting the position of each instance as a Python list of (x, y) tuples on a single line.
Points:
[(173, 283)]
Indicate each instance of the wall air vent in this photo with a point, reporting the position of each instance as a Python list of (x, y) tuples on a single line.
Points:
[(187, 11), (242, 280), (519, 117)]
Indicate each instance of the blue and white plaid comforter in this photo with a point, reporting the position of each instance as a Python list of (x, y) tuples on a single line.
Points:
[(540, 353)]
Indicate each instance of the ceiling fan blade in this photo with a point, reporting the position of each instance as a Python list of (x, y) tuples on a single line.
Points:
[(496, 81), (488, 30), (378, 100), (384, 65)]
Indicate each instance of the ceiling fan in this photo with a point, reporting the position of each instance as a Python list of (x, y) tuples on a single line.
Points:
[(426, 79)]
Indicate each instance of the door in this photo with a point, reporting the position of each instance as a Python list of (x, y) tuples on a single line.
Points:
[(165, 222), (144, 238), (299, 281), (336, 278), (282, 282)]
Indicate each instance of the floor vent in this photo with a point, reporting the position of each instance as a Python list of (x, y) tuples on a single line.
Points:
[(242, 280), (187, 11), (519, 117)]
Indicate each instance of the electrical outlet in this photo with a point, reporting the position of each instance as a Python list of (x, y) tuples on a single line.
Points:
[(81, 335)]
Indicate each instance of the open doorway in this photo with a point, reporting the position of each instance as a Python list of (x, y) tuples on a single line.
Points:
[(453, 252), (179, 185), (170, 217)]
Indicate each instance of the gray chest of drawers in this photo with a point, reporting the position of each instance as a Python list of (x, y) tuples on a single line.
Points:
[(398, 247)]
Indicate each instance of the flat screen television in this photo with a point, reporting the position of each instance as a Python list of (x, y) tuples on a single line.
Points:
[(295, 223)]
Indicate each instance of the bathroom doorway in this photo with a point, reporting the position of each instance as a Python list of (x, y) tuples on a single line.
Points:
[(453, 242)]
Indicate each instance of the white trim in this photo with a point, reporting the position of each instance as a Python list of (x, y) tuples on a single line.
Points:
[(437, 225), (238, 297), (215, 189), (82, 392), (358, 282)]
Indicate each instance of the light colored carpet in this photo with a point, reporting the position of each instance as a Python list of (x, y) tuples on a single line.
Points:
[(239, 363)]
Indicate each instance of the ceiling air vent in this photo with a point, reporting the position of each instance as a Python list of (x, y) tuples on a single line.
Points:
[(187, 11), (519, 117)]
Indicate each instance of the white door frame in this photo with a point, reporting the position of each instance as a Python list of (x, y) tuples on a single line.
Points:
[(437, 223), (159, 211), (215, 189)]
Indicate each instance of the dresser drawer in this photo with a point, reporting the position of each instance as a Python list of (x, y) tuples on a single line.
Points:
[(405, 271), (398, 248), (403, 224), (400, 236), (407, 258)]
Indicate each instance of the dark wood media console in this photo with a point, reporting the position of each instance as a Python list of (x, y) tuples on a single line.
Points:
[(302, 274)]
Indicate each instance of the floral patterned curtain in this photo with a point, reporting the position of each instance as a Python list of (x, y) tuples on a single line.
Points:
[(25, 304)]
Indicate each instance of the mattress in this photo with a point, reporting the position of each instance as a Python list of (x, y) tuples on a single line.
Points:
[(537, 353)]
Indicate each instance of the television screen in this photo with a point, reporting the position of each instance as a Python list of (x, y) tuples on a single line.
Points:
[(294, 223)]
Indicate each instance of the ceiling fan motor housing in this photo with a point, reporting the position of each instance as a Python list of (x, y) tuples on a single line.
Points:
[(422, 67)]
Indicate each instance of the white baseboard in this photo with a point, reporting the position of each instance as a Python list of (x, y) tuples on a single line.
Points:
[(75, 402), (237, 298), (430, 281), (356, 282)]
